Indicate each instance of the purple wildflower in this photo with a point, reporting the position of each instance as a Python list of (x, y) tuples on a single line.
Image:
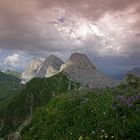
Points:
[(119, 97)]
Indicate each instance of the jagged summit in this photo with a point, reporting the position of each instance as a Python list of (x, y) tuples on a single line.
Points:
[(50, 66), (53, 60), (32, 68), (81, 60), (40, 68), (80, 69)]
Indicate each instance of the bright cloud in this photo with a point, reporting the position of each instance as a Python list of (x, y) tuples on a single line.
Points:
[(13, 60)]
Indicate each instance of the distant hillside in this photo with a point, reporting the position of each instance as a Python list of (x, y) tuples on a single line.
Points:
[(9, 86), (135, 72), (13, 73)]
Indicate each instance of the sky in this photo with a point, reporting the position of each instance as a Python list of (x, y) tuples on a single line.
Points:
[(108, 31)]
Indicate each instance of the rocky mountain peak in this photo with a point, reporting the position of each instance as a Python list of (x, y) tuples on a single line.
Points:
[(39, 68), (34, 63), (53, 60), (81, 60), (31, 69), (79, 68), (50, 66)]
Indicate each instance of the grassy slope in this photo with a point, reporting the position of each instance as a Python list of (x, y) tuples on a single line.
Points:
[(8, 87), (36, 93), (100, 114), (14, 73)]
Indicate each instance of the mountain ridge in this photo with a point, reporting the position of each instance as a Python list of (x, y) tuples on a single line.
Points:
[(79, 68), (135, 71), (50, 66)]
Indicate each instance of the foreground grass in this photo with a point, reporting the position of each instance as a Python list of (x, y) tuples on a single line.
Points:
[(87, 115), (59, 111)]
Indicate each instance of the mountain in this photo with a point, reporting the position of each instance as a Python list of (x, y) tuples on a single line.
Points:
[(31, 70), (39, 68), (80, 69), (135, 72), (50, 67), (9, 86), (13, 73)]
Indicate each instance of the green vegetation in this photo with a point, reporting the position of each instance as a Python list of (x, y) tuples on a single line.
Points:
[(59, 110), (13, 73), (36, 93), (86, 115), (9, 86)]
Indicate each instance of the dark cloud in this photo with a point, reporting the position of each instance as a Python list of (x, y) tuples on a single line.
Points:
[(89, 8), (21, 29)]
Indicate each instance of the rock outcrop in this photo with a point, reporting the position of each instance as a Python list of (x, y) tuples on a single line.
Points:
[(50, 67), (38, 68), (80, 69), (31, 70)]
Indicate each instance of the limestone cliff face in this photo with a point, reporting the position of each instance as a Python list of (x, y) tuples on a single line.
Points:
[(31, 70), (38, 68), (50, 66), (79, 68)]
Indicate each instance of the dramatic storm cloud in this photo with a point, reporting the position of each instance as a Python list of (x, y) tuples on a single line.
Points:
[(108, 31)]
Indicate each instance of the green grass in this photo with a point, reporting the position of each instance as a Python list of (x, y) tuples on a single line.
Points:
[(9, 86), (36, 93), (86, 115), (13, 73), (62, 112)]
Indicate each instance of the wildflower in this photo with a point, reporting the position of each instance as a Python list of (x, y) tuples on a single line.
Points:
[(114, 106), (101, 136), (123, 117), (106, 135), (102, 131), (85, 100), (81, 138), (120, 97), (130, 105), (98, 94), (112, 137), (104, 113), (31, 128), (93, 132)]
